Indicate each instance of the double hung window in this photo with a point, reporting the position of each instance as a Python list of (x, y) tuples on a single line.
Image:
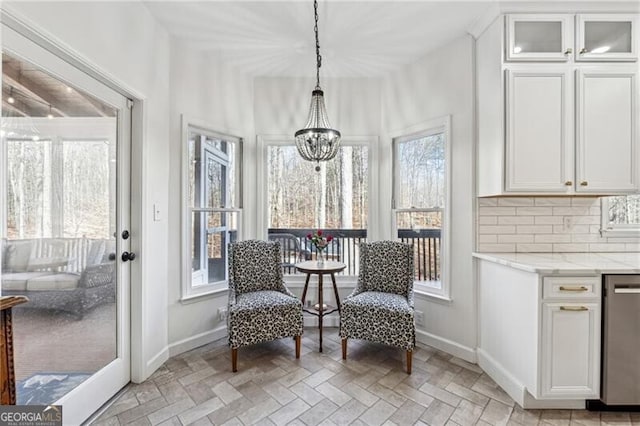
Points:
[(212, 207), (421, 201), (335, 199)]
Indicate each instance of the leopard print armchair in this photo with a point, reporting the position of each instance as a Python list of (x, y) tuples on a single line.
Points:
[(380, 309), (260, 307)]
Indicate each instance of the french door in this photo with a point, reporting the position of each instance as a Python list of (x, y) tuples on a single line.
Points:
[(65, 182)]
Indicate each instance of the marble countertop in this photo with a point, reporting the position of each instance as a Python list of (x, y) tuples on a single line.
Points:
[(560, 263)]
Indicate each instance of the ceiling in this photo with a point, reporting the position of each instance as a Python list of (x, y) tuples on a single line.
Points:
[(357, 38)]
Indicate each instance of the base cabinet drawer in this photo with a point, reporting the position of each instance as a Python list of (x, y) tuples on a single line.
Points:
[(570, 350), (571, 287)]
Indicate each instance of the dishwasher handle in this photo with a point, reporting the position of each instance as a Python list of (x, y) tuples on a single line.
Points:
[(626, 289)]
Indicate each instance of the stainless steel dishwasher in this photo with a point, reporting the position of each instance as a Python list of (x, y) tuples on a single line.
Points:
[(621, 340)]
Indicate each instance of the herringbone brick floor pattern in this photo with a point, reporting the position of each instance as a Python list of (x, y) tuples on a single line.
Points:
[(371, 388)]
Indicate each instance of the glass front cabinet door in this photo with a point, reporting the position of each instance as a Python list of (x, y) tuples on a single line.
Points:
[(606, 37), (538, 37)]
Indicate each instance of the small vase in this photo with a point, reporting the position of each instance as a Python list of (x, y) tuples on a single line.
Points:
[(320, 257)]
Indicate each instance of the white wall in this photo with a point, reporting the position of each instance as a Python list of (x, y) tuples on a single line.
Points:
[(208, 93), (281, 104), (440, 84), (124, 42)]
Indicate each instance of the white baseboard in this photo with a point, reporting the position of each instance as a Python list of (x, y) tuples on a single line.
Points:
[(502, 377), (518, 392), (196, 341), (555, 404), (456, 349), (154, 363)]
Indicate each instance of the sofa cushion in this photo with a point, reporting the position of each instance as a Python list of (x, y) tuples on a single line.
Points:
[(60, 281), (17, 281), (17, 256)]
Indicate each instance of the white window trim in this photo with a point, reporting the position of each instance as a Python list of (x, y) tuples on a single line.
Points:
[(608, 229), (189, 292), (428, 128), (262, 187)]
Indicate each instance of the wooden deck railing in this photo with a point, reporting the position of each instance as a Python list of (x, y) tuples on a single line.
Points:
[(345, 248)]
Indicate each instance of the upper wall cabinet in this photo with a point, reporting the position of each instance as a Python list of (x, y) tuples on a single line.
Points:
[(549, 124), (606, 37), (538, 37), (566, 37)]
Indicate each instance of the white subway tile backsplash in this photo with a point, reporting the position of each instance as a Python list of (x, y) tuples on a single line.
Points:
[(489, 202), (549, 220), (497, 211), (571, 211), (587, 238), (570, 248), (497, 248), (487, 239), (534, 248), (585, 201), (487, 220), (545, 224), (497, 229), (515, 238), (535, 229), (552, 201), (534, 211), (574, 229), (606, 247), (515, 202), (552, 238), (515, 220)]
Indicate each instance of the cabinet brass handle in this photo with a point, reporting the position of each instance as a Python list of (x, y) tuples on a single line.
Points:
[(569, 51), (584, 183), (583, 51), (577, 288), (574, 308), (568, 183)]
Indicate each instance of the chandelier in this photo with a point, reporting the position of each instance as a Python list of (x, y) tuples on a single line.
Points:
[(317, 141)]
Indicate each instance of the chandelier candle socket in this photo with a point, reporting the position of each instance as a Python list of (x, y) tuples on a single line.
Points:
[(317, 141)]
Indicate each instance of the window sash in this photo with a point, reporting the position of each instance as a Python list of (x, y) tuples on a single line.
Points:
[(433, 127), (195, 279)]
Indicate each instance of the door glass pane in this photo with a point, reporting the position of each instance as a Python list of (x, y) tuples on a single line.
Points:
[(58, 247), (603, 37), (536, 36)]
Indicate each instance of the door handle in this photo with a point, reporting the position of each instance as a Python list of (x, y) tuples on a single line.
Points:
[(126, 256), (574, 308)]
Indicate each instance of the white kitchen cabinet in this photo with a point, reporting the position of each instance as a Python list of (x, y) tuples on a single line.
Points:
[(554, 128), (539, 135), (570, 349), (539, 334), (606, 37), (607, 130), (570, 312), (539, 37)]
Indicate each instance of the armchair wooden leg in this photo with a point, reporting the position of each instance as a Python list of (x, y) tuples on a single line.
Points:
[(298, 339), (344, 348), (234, 359), (409, 357)]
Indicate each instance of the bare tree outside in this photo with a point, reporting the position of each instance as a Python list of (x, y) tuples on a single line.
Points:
[(624, 210), (336, 197), (420, 196)]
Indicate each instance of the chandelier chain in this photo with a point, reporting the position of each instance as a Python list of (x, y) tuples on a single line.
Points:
[(318, 57)]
